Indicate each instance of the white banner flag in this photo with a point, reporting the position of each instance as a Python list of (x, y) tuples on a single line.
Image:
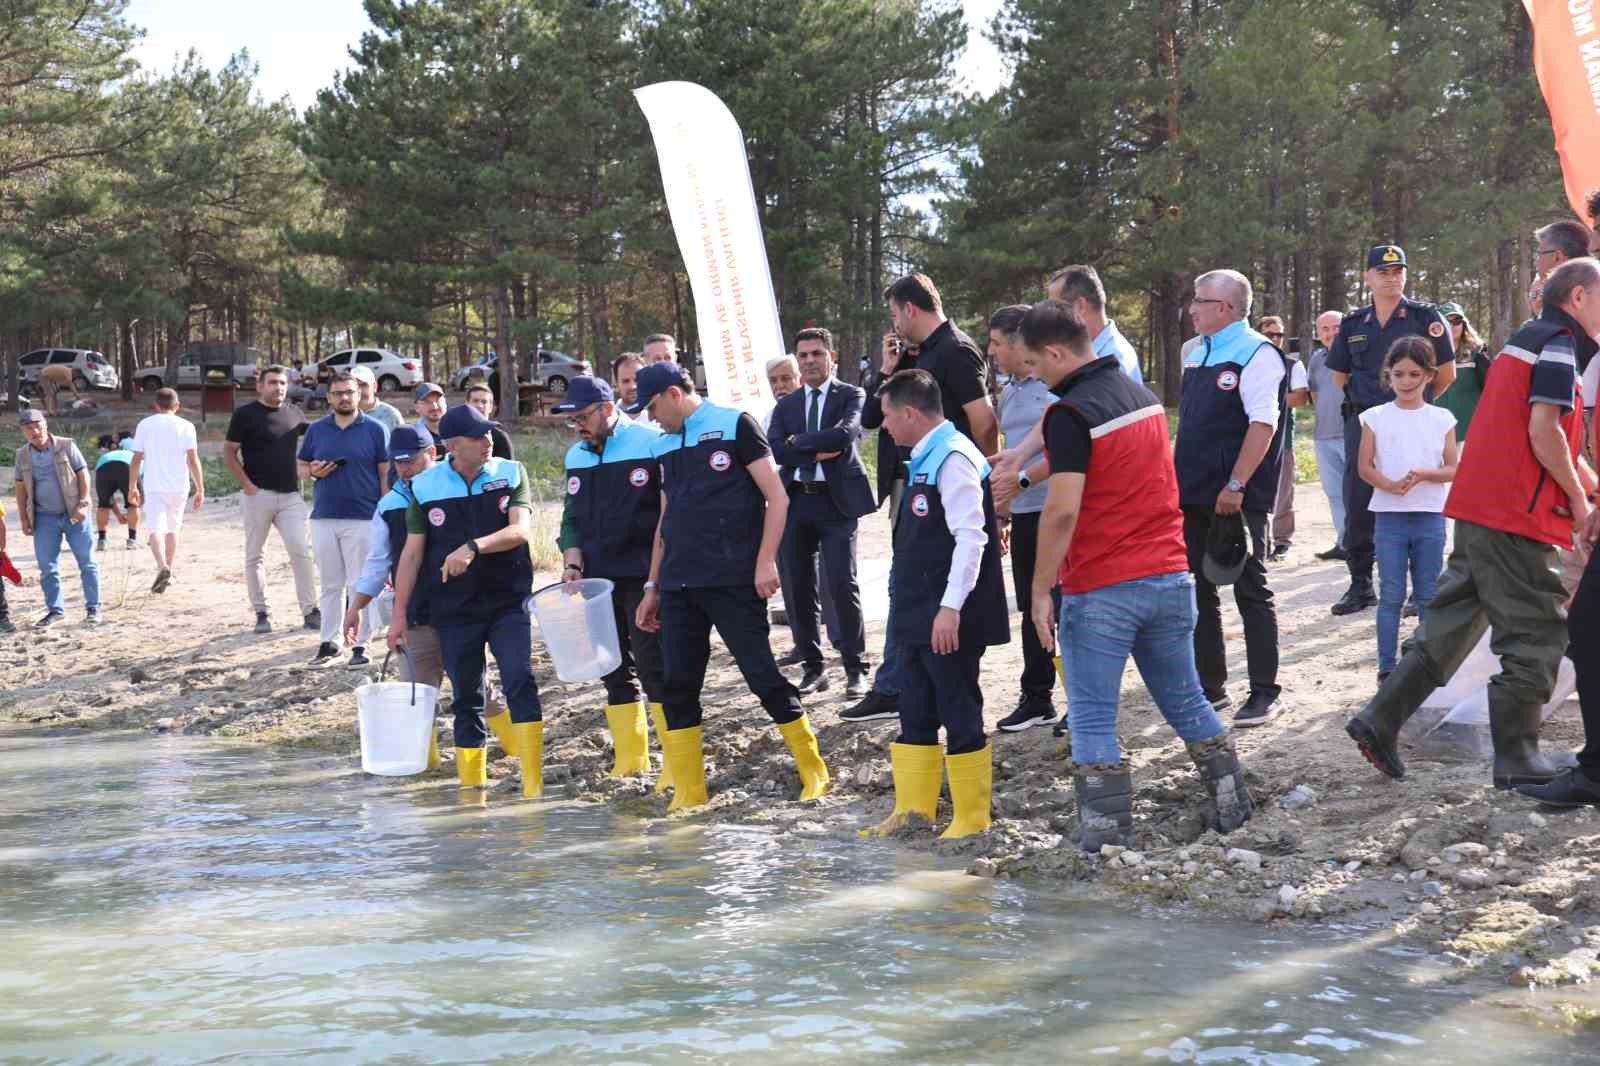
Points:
[(706, 176)]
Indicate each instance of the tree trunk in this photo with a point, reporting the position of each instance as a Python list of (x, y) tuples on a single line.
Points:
[(129, 360)]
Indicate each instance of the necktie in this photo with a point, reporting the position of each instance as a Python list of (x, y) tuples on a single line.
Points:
[(813, 417)]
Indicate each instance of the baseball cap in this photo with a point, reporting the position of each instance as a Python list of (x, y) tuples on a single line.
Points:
[(362, 373), (655, 379), (1448, 309), (1226, 549), (30, 415), (406, 441), (464, 421), (1386, 255), (426, 389), (584, 392)]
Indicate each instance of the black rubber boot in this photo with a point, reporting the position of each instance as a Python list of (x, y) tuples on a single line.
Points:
[(1514, 727), (1376, 730), (1105, 804), (1358, 597), (1570, 788), (1217, 762)]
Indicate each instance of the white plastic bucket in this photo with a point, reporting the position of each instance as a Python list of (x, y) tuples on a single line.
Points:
[(396, 720), (576, 620)]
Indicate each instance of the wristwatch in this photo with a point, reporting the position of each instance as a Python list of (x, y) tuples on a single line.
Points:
[(474, 546), (648, 585), (1235, 485), (1024, 482)]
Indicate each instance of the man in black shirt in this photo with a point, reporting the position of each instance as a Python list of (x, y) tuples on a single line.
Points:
[(263, 437), (958, 368)]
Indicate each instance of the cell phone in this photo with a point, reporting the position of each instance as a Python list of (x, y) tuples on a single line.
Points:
[(336, 462)]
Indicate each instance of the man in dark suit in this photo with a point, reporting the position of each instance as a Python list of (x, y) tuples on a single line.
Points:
[(813, 436)]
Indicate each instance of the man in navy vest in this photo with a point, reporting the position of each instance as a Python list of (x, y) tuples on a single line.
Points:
[(949, 604), (714, 563), (608, 526), (466, 556), (1232, 422), (814, 430)]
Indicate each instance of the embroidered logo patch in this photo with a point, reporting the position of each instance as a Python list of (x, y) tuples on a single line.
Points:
[(720, 461), (498, 484), (710, 434), (436, 517), (920, 479), (1436, 330), (919, 505), (1227, 381), (573, 485), (639, 478)]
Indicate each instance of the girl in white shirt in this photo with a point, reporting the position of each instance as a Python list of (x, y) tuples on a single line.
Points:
[(1408, 456)]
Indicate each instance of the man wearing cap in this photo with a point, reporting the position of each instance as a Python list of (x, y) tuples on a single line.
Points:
[(429, 405), (52, 487), (1328, 433), (1298, 394), (386, 415), (411, 451), (1356, 361), (608, 526), (1233, 420), (466, 562), (714, 562)]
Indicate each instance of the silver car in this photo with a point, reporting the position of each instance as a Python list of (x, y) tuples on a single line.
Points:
[(90, 369), (556, 369)]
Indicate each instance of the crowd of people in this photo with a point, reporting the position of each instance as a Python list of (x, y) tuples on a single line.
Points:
[(1120, 538)]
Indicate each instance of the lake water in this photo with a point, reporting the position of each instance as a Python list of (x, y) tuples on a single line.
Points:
[(166, 900)]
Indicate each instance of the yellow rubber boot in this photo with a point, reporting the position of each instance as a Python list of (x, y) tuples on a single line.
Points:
[(630, 737), (807, 759), (1061, 672), (918, 773), (471, 767), (971, 785), (433, 750), (501, 725), (658, 715), (529, 738), (687, 760)]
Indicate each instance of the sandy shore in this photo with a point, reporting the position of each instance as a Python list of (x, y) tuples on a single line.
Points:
[(1440, 860)]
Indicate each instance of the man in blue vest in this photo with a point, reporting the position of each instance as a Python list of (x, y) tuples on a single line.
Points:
[(466, 555), (949, 604), (608, 526), (714, 563), (1232, 423)]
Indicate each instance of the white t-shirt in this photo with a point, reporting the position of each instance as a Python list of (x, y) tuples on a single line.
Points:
[(1591, 383), (165, 441), (1407, 441)]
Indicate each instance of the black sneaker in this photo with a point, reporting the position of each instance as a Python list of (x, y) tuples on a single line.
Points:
[(1223, 705), (813, 680), (1335, 554), (263, 623), (1410, 609), (875, 707), (1257, 710), (794, 658), (1028, 714), (856, 684), (163, 579), (100, 545), (326, 653), (48, 619), (1279, 553), (1358, 597), (91, 616), (1060, 728), (314, 619), (358, 657)]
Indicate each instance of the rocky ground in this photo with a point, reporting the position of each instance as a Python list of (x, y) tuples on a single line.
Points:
[(1441, 859)]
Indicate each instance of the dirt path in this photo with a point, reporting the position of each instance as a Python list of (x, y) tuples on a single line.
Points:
[(1440, 859)]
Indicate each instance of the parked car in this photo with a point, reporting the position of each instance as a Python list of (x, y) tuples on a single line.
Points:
[(393, 371), (90, 369), (246, 363), (556, 369)]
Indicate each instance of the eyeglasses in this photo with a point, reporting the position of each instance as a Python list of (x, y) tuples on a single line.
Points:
[(1544, 252), (1198, 302), (1274, 336)]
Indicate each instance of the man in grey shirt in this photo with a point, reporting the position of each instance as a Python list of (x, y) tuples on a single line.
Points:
[(1329, 435), (1022, 406)]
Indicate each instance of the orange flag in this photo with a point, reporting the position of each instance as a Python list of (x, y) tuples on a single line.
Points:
[(1566, 55)]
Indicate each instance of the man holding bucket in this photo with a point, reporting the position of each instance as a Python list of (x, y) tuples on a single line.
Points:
[(714, 563), (411, 449), (466, 557), (608, 524)]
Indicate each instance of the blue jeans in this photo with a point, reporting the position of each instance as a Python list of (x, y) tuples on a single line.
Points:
[(1152, 619), (48, 532), (1405, 540), (462, 646), (1330, 469)]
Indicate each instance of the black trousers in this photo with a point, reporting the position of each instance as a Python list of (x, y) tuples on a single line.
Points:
[(740, 616), (1583, 648), (1359, 524), (641, 651), (816, 526), (941, 690), (1255, 603), (1038, 662)]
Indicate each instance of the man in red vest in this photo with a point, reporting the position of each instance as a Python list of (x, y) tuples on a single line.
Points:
[(1520, 493)]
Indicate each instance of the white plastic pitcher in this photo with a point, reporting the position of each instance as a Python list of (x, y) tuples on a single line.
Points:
[(576, 620), (396, 724)]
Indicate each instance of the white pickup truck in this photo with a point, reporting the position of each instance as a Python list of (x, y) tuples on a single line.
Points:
[(190, 365)]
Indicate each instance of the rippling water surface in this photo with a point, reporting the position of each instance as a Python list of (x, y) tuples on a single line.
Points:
[(173, 901)]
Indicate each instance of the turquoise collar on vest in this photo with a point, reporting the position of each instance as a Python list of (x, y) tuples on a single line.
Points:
[(937, 446), (1236, 343)]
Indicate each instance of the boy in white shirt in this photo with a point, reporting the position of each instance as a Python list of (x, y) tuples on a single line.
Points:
[(166, 459)]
